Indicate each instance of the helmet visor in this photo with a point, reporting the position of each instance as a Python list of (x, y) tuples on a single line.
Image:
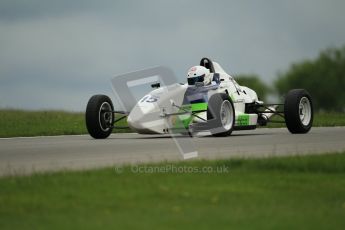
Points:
[(193, 80)]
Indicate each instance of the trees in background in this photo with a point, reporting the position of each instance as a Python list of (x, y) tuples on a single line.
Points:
[(254, 82), (323, 77)]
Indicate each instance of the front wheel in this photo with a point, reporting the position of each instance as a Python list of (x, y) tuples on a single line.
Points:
[(298, 111), (99, 116)]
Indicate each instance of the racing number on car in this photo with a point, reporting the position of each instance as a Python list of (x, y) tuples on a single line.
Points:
[(149, 99)]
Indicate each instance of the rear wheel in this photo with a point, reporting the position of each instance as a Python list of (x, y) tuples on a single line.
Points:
[(298, 111), (99, 116), (220, 115)]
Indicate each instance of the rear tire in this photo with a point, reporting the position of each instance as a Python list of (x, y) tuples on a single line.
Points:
[(298, 111), (221, 115), (99, 116)]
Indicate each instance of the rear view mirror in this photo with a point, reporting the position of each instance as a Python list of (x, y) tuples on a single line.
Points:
[(156, 85)]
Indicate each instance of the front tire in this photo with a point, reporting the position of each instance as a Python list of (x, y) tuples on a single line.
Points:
[(99, 116), (298, 111)]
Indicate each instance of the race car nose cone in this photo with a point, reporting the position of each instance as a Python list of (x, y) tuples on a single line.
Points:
[(133, 119), (146, 123)]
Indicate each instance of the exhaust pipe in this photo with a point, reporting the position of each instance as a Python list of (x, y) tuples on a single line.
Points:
[(264, 117)]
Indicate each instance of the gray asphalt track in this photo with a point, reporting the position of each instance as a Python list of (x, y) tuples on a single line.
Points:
[(35, 154)]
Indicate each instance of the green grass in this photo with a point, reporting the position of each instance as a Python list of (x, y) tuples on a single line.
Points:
[(14, 123), (275, 193), (320, 120), (329, 119)]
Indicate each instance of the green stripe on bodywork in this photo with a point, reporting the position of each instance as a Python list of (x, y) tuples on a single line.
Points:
[(185, 120), (199, 106), (242, 120), (182, 121), (194, 107)]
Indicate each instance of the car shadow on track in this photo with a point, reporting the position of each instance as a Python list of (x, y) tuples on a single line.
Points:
[(151, 137)]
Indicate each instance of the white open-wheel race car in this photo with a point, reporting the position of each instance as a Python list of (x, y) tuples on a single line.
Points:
[(217, 108)]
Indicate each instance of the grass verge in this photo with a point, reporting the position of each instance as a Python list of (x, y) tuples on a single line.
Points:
[(320, 120), (275, 193), (16, 123), (23, 123)]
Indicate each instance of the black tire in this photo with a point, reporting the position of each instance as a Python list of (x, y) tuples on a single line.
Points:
[(216, 103), (298, 111), (99, 116)]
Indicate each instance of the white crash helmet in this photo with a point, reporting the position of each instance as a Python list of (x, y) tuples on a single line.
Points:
[(198, 74)]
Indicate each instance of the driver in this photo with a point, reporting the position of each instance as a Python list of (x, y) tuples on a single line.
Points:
[(199, 74)]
